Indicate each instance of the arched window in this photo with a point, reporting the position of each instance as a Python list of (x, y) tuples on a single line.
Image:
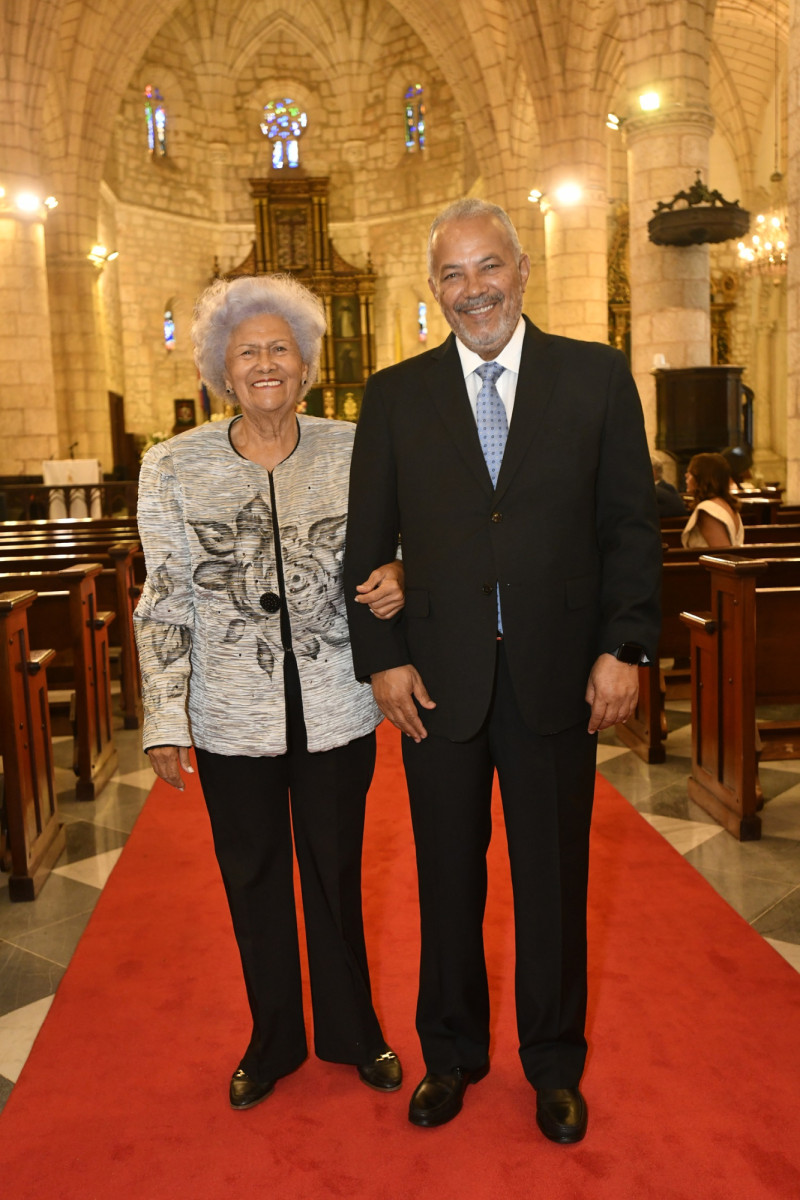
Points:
[(156, 117), (283, 124), (415, 118)]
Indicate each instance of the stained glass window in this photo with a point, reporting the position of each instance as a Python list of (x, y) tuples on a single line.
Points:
[(156, 116), (169, 327), (415, 118), (422, 320), (284, 123)]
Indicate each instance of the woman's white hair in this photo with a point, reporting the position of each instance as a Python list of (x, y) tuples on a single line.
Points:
[(228, 302)]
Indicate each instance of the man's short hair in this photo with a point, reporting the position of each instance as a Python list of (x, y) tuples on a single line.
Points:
[(471, 206)]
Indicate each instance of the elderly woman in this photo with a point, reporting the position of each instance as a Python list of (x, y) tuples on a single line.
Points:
[(714, 522), (245, 656)]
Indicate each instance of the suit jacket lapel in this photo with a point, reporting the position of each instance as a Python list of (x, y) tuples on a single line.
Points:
[(538, 372), (448, 390)]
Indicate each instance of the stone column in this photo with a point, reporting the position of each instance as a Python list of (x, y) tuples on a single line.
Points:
[(793, 282), (670, 290), (575, 227), (576, 248), (27, 385), (77, 323)]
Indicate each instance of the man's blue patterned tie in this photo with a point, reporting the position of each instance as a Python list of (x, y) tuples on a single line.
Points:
[(491, 417), (492, 430)]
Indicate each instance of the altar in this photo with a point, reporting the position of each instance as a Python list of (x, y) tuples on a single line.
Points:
[(70, 480)]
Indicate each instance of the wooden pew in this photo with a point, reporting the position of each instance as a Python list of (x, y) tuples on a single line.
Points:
[(66, 616), (685, 586), (745, 652), (35, 837), (757, 550), (757, 510), (117, 590), (71, 526), (752, 534), (83, 537)]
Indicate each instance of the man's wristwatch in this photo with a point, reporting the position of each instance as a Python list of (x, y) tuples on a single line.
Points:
[(630, 652)]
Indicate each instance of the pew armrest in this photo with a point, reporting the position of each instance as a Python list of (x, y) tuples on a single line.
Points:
[(700, 621), (102, 619), (38, 659)]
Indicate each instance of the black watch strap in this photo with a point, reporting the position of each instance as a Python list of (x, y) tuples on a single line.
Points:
[(630, 652)]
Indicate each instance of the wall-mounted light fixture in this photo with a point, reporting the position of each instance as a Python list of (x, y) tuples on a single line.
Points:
[(566, 195), (24, 203), (613, 122), (99, 255)]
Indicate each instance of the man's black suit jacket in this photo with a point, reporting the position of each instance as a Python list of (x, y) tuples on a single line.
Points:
[(571, 531)]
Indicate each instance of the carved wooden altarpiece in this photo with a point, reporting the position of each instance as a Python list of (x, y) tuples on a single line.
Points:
[(291, 218)]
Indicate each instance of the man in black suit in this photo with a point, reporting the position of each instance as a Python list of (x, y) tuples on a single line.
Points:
[(528, 605)]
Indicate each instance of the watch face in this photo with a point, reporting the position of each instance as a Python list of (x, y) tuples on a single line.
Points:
[(630, 653)]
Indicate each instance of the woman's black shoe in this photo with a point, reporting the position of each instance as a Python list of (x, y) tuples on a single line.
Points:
[(245, 1092), (383, 1072)]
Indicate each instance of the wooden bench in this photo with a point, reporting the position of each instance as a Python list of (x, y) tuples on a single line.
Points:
[(685, 586), (71, 526), (117, 589), (33, 837), (67, 617), (745, 652), (752, 534), (777, 549)]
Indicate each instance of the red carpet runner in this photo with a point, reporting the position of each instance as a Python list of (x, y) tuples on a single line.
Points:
[(692, 1084)]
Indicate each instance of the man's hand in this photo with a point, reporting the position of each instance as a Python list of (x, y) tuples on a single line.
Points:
[(384, 590), (169, 761), (612, 691), (395, 691)]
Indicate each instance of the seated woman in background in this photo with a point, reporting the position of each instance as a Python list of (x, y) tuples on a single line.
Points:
[(714, 522)]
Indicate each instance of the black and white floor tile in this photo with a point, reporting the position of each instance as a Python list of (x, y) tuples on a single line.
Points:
[(760, 880)]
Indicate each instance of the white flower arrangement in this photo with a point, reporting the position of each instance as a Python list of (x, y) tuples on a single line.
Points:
[(152, 440)]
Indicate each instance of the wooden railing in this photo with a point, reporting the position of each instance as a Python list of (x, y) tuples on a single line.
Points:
[(31, 501)]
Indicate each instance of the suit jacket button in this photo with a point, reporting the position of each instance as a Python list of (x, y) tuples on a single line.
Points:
[(497, 517), (488, 589)]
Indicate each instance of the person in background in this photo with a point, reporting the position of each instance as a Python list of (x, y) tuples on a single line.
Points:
[(714, 522), (668, 498), (740, 463), (245, 655), (528, 610)]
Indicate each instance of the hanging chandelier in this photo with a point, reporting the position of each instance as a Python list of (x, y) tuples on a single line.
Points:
[(767, 250)]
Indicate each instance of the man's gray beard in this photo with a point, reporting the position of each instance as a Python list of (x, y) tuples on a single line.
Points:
[(500, 337)]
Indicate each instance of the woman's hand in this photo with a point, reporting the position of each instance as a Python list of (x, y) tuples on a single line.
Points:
[(384, 590), (169, 761)]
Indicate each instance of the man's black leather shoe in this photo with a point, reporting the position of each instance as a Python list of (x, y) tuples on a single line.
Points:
[(561, 1114), (439, 1097), (245, 1092), (383, 1072)]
